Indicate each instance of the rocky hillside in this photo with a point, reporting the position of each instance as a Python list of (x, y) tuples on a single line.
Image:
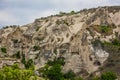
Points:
[(88, 41)]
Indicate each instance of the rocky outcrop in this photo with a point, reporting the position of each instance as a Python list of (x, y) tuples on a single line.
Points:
[(68, 36)]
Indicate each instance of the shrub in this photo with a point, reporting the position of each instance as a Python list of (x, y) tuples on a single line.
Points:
[(3, 49), (15, 73), (104, 29), (56, 61), (62, 13), (18, 55), (79, 78), (35, 48), (116, 42), (69, 75), (72, 12), (108, 76), (23, 59), (15, 41), (54, 73), (52, 70), (15, 66), (96, 78), (29, 64), (55, 51), (97, 42), (37, 28)]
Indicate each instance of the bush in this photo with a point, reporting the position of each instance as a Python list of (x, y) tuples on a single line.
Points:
[(15, 66), (56, 61), (72, 12), (96, 78), (108, 76), (35, 48), (116, 42), (15, 41), (37, 28), (69, 75), (104, 29), (79, 78), (23, 59), (62, 13), (15, 73), (3, 49), (29, 64), (18, 55), (97, 43), (54, 73), (52, 70)]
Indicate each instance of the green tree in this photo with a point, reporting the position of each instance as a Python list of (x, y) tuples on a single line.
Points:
[(15, 73), (72, 12), (52, 69), (54, 73)]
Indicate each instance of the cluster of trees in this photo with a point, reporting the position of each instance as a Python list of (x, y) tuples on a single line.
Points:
[(52, 71), (65, 13), (15, 73)]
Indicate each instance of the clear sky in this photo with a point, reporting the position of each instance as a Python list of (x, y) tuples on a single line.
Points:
[(20, 12)]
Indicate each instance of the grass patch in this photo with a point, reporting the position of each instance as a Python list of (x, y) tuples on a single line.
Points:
[(104, 30)]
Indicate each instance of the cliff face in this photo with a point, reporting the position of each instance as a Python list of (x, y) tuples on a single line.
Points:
[(68, 36)]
